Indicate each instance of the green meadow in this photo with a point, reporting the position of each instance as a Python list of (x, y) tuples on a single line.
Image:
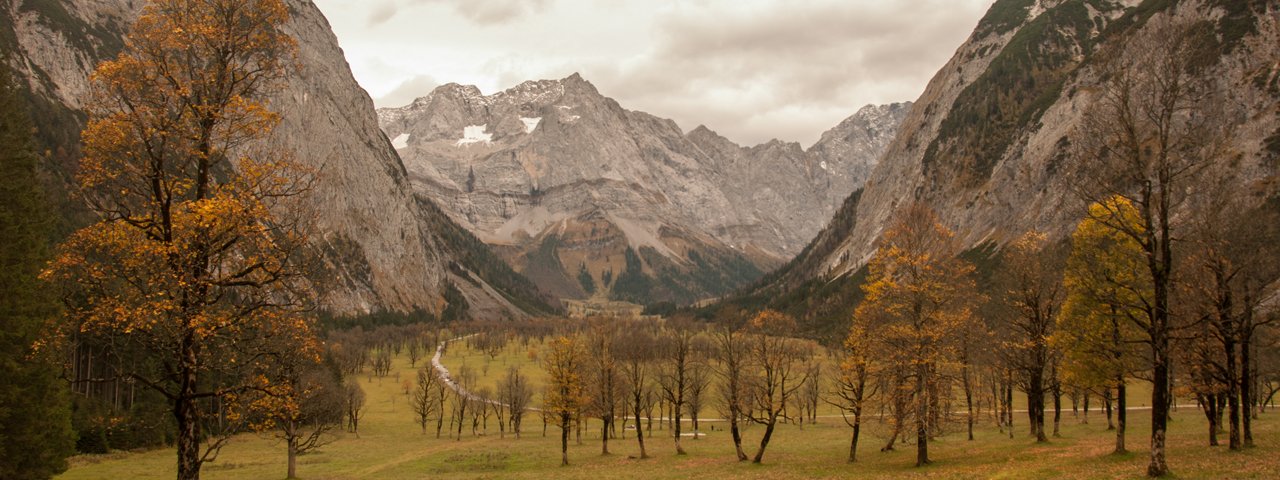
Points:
[(390, 445)]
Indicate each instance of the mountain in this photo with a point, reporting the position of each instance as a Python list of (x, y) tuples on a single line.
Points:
[(385, 248), (589, 199), (985, 143)]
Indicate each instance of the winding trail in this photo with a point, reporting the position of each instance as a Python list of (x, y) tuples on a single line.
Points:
[(458, 389)]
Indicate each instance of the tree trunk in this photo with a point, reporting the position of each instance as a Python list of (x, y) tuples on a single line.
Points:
[(565, 426), (675, 426), (639, 430), (1107, 404), (1121, 415), (184, 412), (1158, 466), (1057, 405), (764, 441), (1008, 405), (968, 398), (1035, 406), (1209, 403), (604, 436), (693, 417), (1246, 376), (922, 416), (736, 434), (293, 457), (1085, 419)]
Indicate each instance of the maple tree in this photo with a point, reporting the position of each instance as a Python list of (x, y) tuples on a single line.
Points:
[(300, 408), (780, 369), (851, 390), (1107, 289), (604, 377), (422, 398), (565, 394), (1031, 284), (918, 294), (198, 253), (1155, 126)]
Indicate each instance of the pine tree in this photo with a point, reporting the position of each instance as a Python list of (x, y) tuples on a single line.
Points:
[(35, 418)]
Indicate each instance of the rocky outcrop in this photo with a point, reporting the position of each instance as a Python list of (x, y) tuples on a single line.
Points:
[(588, 198), (386, 248)]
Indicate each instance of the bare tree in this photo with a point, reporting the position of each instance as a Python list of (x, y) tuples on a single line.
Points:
[(635, 353), (464, 380), (353, 405), (783, 369), (699, 383), (422, 397), (515, 392), (676, 355), (1030, 287), (732, 360), (604, 377)]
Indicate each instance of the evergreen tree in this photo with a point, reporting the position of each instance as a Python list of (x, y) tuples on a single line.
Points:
[(35, 418)]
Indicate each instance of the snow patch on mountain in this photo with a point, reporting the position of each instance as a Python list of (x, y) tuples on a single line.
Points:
[(473, 134), (530, 123), (401, 141)]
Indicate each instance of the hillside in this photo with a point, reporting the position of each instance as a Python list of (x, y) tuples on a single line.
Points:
[(384, 249), (986, 142)]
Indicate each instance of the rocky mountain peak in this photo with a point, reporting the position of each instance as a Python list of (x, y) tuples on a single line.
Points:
[(555, 166)]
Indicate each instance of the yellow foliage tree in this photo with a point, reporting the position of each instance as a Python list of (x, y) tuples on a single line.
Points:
[(1108, 287), (195, 260), (566, 393), (918, 295)]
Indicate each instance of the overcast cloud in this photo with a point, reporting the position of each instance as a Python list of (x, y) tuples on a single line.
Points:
[(752, 70)]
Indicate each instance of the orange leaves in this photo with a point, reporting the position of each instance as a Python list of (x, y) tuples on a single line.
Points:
[(772, 322), (919, 298)]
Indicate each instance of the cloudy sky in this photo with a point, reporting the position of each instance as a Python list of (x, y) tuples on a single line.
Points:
[(751, 70)]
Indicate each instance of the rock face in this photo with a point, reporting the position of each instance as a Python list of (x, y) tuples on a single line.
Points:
[(590, 199), (386, 248), (985, 143)]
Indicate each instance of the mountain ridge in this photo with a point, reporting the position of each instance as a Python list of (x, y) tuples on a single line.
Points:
[(550, 158)]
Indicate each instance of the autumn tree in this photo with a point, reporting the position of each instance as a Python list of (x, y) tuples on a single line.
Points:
[(196, 255), (565, 390), (1231, 238), (1152, 130), (301, 409), (35, 421), (1031, 289), (422, 397), (917, 295), (781, 369), (1107, 290), (851, 390)]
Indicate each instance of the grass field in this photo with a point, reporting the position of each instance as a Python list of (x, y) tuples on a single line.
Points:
[(390, 445)]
